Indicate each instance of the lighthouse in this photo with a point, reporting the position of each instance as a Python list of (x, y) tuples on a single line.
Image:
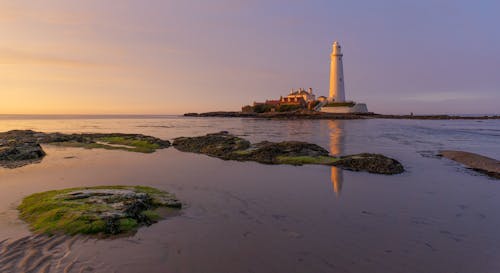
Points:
[(337, 92)]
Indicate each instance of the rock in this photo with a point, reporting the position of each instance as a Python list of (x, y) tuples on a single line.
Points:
[(109, 210), (24, 136), (220, 145), (270, 152), (479, 163), (21, 147), (20, 154), (226, 146), (229, 147), (373, 163)]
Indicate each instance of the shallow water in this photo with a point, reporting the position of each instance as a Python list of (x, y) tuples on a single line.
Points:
[(249, 217)]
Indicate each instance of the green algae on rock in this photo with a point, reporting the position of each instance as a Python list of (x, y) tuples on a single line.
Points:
[(95, 210), (128, 142), (22, 147), (229, 147)]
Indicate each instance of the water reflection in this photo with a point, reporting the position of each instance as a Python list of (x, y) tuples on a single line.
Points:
[(336, 128)]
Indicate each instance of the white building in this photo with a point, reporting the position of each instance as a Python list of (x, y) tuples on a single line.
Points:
[(337, 91), (336, 102), (300, 94)]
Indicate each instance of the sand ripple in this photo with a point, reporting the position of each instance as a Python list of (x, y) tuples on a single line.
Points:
[(39, 254)]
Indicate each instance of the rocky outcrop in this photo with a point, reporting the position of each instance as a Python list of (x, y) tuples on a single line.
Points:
[(229, 147), (20, 154), (372, 163), (25, 136), (273, 153), (108, 210), (22, 147), (479, 163), (220, 145)]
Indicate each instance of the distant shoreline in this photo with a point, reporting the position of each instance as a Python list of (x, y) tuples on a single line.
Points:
[(270, 115), (320, 115)]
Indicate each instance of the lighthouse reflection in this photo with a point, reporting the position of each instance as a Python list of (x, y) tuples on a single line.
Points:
[(336, 128)]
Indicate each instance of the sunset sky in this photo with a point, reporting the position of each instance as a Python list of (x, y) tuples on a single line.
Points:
[(171, 57)]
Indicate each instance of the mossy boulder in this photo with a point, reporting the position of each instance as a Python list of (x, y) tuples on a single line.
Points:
[(95, 210)]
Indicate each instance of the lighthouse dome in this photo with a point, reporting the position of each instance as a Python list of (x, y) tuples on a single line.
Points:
[(336, 48)]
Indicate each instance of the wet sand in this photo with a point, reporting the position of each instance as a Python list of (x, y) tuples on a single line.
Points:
[(39, 254)]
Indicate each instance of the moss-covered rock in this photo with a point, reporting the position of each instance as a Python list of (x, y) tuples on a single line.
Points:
[(229, 147), (304, 160), (21, 147), (95, 210), (286, 152), (128, 142)]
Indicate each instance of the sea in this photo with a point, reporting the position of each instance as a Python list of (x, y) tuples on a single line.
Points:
[(438, 216)]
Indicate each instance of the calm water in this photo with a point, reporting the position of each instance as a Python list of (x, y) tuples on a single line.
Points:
[(249, 217)]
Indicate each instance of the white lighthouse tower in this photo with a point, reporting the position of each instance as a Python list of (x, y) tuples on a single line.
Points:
[(336, 102), (337, 92)]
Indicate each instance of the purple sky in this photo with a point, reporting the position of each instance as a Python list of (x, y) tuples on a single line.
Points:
[(167, 57)]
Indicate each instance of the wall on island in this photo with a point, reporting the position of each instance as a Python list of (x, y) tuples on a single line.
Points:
[(357, 108)]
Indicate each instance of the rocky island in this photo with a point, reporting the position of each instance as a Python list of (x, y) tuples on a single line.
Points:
[(309, 114)]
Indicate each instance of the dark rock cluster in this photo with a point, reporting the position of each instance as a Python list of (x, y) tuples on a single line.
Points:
[(17, 154), (221, 145), (271, 152), (229, 147), (22, 147), (25, 136)]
